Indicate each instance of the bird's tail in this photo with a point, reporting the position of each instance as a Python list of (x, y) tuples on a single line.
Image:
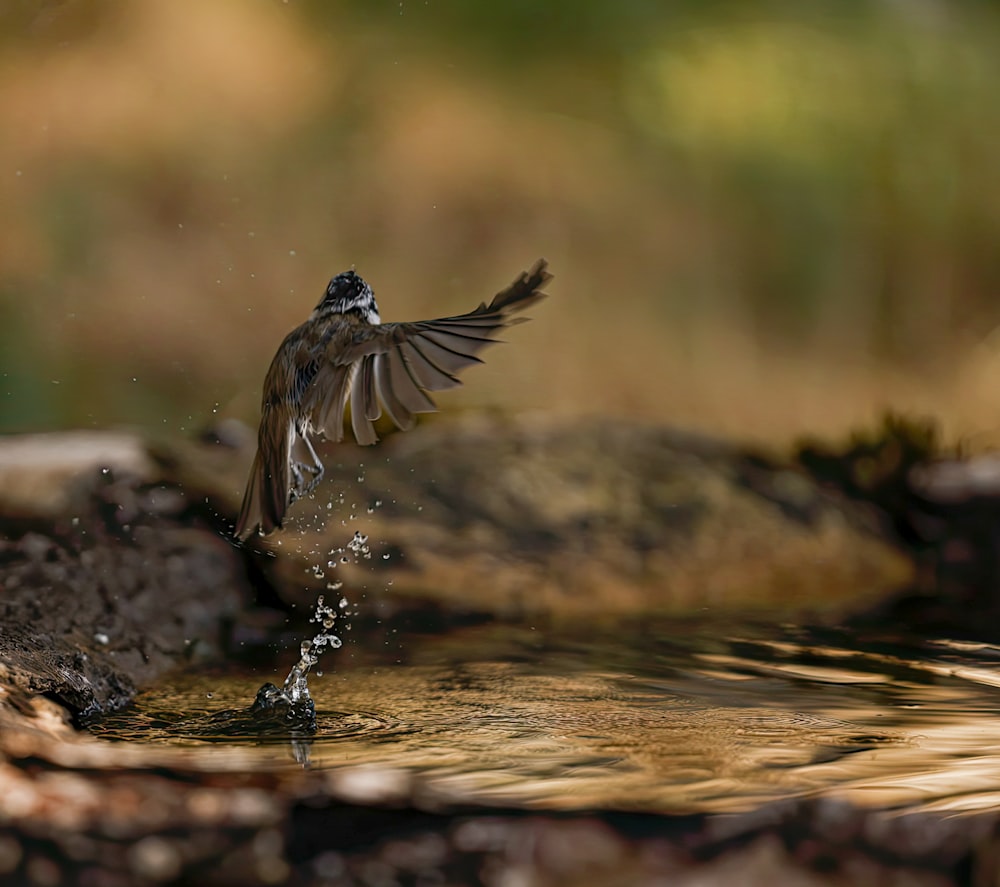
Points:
[(266, 498)]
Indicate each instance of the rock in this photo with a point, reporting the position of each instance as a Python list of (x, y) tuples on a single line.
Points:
[(581, 519), (46, 476), (107, 580), (945, 511)]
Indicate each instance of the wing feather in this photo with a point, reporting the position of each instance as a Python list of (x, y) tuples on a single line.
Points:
[(401, 362), (405, 386), (446, 358), (386, 392), (325, 400), (428, 373), (364, 403)]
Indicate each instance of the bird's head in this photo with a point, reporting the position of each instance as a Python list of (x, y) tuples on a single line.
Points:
[(348, 293)]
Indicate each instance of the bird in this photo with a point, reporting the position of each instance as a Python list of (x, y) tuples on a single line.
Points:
[(344, 354)]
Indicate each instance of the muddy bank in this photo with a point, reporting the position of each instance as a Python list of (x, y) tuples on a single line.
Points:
[(107, 578)]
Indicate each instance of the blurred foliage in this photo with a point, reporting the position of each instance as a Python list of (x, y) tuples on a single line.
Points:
[(521, 31), (860, 142), (764, 219)]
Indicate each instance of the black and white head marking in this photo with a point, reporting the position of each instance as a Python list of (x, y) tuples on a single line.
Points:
[(348, 293)]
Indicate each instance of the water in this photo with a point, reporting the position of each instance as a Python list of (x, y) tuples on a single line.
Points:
[(674, 718), (295, 690), (291, 705)]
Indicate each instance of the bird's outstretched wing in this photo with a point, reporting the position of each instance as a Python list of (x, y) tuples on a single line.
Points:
[(398, 363)]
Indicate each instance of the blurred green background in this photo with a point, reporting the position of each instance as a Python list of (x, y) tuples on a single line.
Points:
[(764, 219)]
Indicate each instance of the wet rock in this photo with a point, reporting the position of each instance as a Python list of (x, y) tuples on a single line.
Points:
[(943, 507), (530, 518), (48, 476), (107, 580)]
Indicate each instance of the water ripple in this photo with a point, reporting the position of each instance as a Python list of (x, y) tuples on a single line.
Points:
[(664, 722)]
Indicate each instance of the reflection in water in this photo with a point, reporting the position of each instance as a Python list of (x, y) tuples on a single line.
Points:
[(695, 724)]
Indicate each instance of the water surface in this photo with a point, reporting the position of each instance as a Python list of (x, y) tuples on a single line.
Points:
[(671, 718)]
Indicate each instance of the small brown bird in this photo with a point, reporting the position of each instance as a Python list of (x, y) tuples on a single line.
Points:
[(344, 350)]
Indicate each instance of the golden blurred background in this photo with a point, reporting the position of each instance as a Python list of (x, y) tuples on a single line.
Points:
[(764, 219)]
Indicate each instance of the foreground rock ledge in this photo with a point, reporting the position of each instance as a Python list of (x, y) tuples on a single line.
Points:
[(80, 811)]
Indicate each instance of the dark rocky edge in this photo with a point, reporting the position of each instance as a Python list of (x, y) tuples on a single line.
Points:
[(107, 577)]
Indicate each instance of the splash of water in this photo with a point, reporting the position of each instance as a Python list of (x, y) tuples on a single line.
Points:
[(296, 686), (291, 705)]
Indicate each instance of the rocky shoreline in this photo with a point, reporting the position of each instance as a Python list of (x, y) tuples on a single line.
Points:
[(116, 567)]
